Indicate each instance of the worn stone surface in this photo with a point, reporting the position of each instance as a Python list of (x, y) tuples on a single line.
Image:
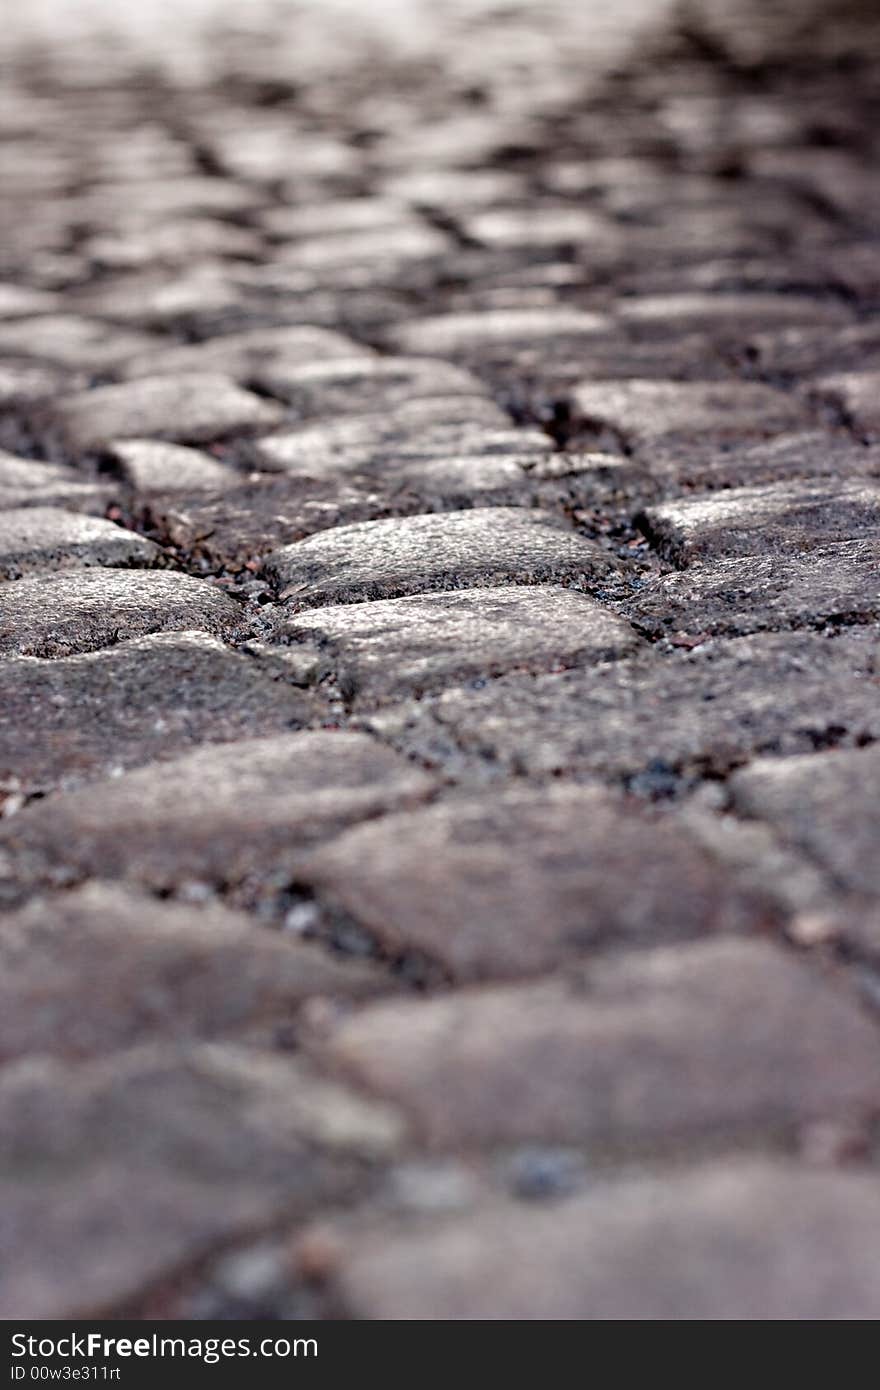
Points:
[(856, 395), (652, 721), (833, 584), (416, 428), (82, 610), (51, 538), (152, 465), (827, 805), (143, 699), (217, 814), (438, 561), (153, 971), (25, 483), (645, 414), (194, 407), (394, 647), (514, 884), (731, 1242), (789, 517), (120, 1171), (71, 341), (258, 354), (764, 1043), (380, 559)]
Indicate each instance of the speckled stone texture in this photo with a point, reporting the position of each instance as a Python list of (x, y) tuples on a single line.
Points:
[(440, 661)]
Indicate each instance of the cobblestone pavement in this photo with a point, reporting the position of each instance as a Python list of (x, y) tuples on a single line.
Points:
[(440, 672)]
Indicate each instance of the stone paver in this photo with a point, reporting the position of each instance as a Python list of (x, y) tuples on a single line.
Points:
[(257, 354), (153, 465), (26, 483), (826, 805), (439, 660), (82, 610), (216, 814), (194, 407), (50, 538), (765, 1044), (516, 883), (645, 414), (153, 971), (415, 428), (788, 517), (120, 1171), (381, 559), (834, 585), (395, 647), (733, 1242), (857, 395), (145, 698), (68, 340), (652, 721)]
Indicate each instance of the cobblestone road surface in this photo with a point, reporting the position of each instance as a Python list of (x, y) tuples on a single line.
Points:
[(440, 671)]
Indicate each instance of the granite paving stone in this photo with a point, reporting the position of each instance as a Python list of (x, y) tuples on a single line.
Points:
[(154, 971), (826, 806), (646, 414), (142, 699), (193, 407), (383, 559), (833, 585), (784, 517), (117, 1172), (516, 883), (395, 647), (217, 814), (653, 720), (27, 483), (766, 1044), (37, 539), (735, 1241), (83, 610)]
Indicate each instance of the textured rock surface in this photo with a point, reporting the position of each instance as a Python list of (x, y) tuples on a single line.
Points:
[(146, 698), (733, 1242), (644, 718), (380, 559), (764, 1044), (83, 610), (217, 814), (191, 407), (395, 647), (439, 660), (152, 971), (36, 539), (517, 883)]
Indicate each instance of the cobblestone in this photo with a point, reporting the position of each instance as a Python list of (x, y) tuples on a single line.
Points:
[(832, 585), (50, 538), (83, 610), (381, 559), (193, 408), (786, 517), (218, 814), (737, 1241), (493, 887), (142, 699), (153, 971), (825, 805), (439, 661), (653, 722), (765, 1046), (395, 647), (110, 1172)]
